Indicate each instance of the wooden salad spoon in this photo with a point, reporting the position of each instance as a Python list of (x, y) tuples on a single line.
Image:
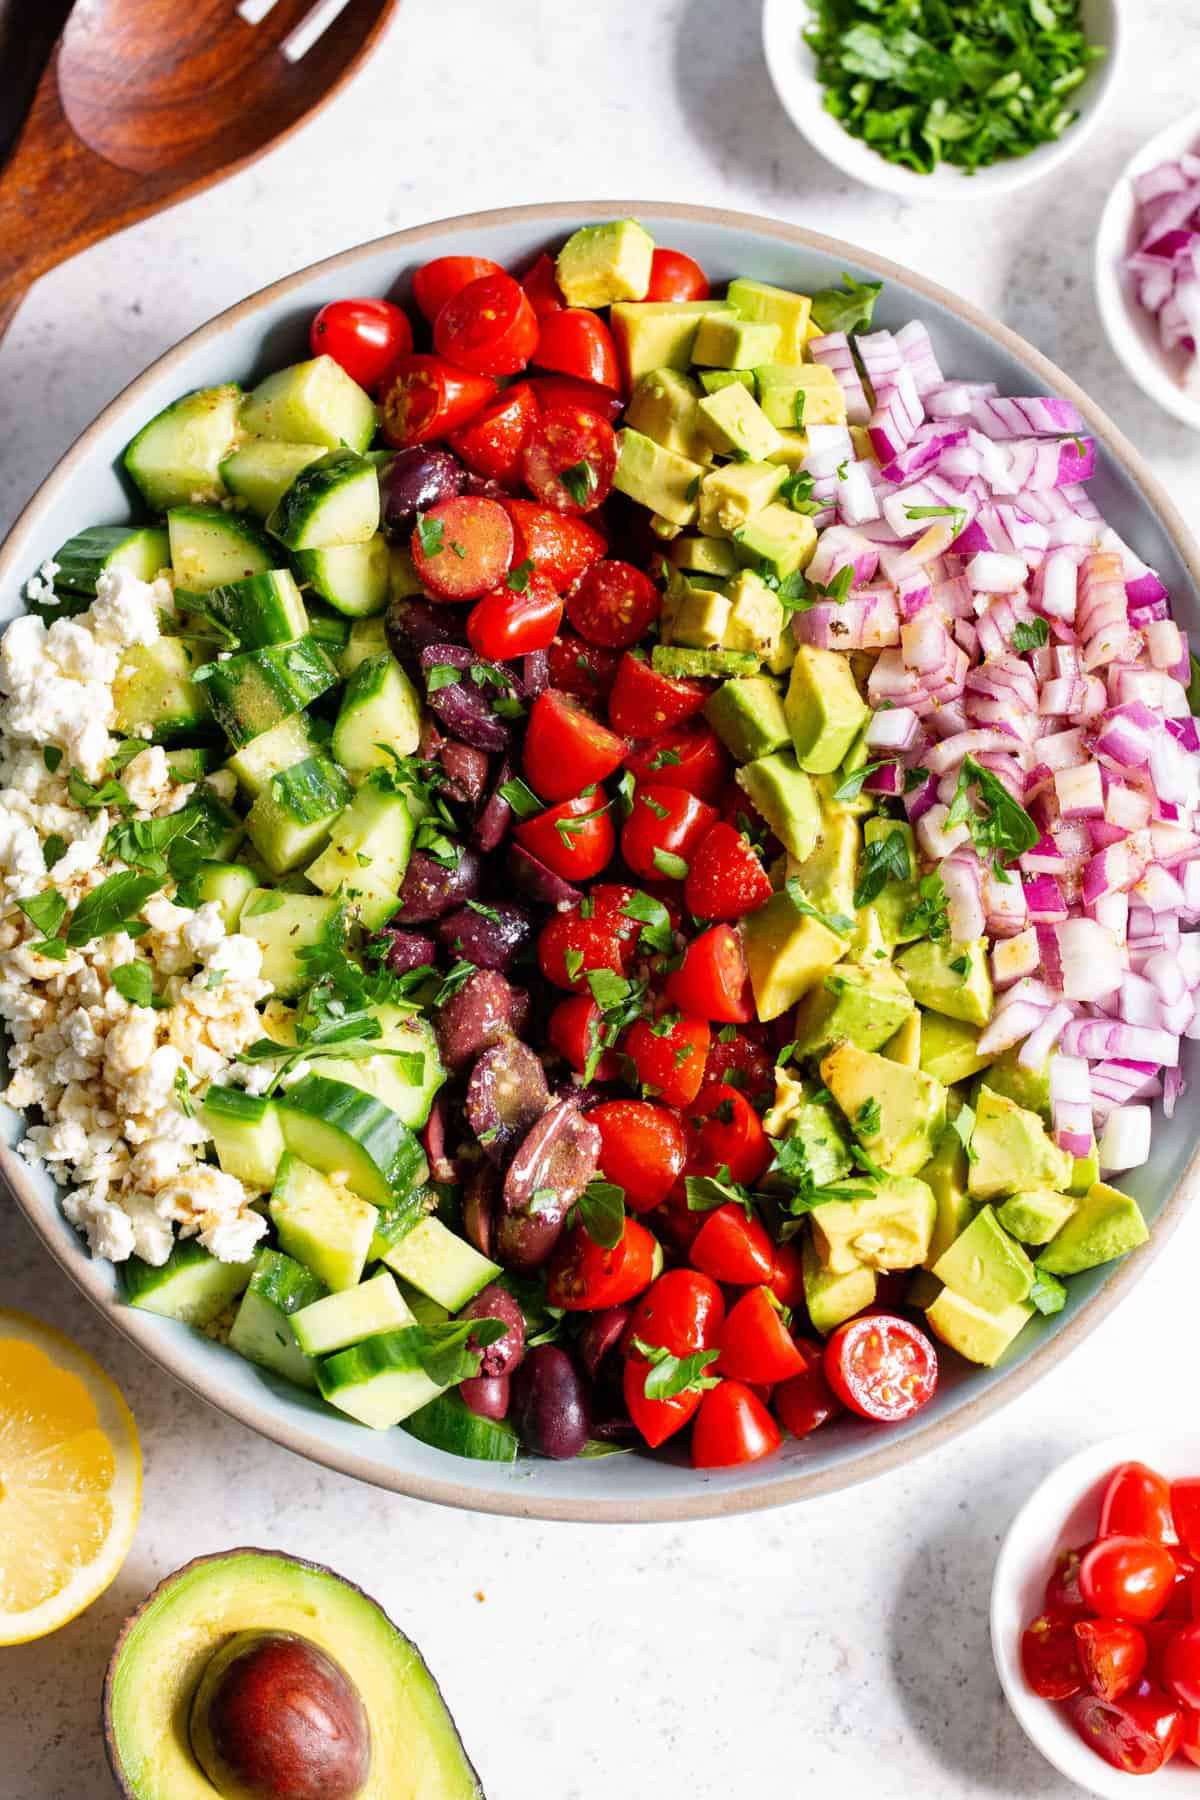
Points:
[(142, 103)]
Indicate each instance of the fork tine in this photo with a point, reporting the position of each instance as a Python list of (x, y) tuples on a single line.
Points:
[(314, 24), (255, 11)]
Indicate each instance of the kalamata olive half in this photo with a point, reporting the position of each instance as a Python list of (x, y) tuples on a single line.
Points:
[(550, 1404), (412, 625), (429, 889), (475, 1018), (495, 1302), (407, 950), (602, 1333), (495, 816), (461, 688), (414, 481), (506, 1094), (556, 1160), (481, 1196), (540, 883), (488, 1396), (489, 939), (465, 770)]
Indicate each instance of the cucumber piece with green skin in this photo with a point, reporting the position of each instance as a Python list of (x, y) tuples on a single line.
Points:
[(210, 546), (311, 403), (367, 854), (380, 714), (331, 503), (356, 1313), (397, 1220), (448, 1423), (191, 1285), (262, 469), (262, 1331), (155, 689), (256, 689), (424, 1310), (290, 819), (406, 1073), (379, 1381), (281, 747), (144, 550), (217, 831), (262, 609), (283, 925), (192, 762), (247, 1134), (442, 1265), (329, 629), (325, 1227), (177, 456), (337, 1128), (229, 885), (354, 578), (368, 637)]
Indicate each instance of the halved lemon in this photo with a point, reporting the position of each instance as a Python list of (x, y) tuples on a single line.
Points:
[(70, 1479)]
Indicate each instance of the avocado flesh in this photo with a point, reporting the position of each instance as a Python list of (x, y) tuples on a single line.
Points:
[(1011, 1150), (415, 1750)]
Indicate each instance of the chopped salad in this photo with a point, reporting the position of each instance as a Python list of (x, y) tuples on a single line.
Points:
[(605, 860)]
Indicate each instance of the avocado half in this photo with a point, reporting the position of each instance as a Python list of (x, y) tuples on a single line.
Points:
[(165, 1645)]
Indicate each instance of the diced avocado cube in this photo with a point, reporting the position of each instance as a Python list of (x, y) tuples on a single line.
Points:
[(747, 716), (1034, 1215), (949, 1048), (731, 495), (904, 1045), (950, 977), (666, 483), (825, 711), (986, 1265), (602, 263), (862, 804), (695, 616), (756, 618), (785, 797), (703, 665), (865, 1006), (735, 425), (797, 396), (945, 1174), (888, 1228), (783, 539), (790, 312), (793, 448), (979, 1335), (831, 1298), (658, 334), (704, 556), (1106, 1223), (665, 407), (1011, 1151), (827, 876), (664, 529), (897, 897), (817, 1127), (787, 951), (713, 380), (1030, 1088), (897, 1114), (723, 342)]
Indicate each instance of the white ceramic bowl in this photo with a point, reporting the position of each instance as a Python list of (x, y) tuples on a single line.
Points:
[(1132, 332), (793, 69), (1061, 1514)]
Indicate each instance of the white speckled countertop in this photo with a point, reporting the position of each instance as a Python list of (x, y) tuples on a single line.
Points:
[(836, 1649)]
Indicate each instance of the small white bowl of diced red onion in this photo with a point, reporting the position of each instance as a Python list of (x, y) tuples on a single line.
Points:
[(1148, 268), (1094, 1615)]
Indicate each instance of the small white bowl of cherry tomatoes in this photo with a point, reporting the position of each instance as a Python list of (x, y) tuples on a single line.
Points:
[(1095, 1614)]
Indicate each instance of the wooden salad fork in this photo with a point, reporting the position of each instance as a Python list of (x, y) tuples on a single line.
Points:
[(144, 102)]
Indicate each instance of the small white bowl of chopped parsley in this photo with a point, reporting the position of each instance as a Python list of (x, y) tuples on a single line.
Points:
[(919, 97)]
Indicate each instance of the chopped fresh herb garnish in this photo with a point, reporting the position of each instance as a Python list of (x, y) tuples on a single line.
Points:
[(268, 901), (963, 1126), (785, 1053), (665, 759), (568, 829), (458, 550), (46, 911), (692, 490), (666, 1022), (580, 481), (485, 912), (135, 981), (92, 797), (957, 513), (852, 785), (450, 1352), (656, 936), (839, 922), (441, 675), (460, 972), (915, 778), (111, 907), (1004, 827), (727, 1034), (798, 403), (670, 865), (867, 1117), (430, 534), (884, 859), (602, 1212), (960, 965), (1030, 635), (655, 806), (518, 577), (670, 1375), (608, 989), (707, 1191), (51, 756), (573, 964), (927, 916), (183, 1093), (54, 849), (848, 308), (797, 491)]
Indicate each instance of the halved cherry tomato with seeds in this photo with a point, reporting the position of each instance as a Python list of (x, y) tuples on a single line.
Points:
[(424, 397), (541, 285), (713, 979), (755, 1342), (583, 1276), (1137, 1503), (575, 838), (644, 704), (1112, 1656), (570, 946), (732, 1248), (491, 444), (1050, 1658), (613, 604), (732, 1427), (440, 280), (1123, 1577), (582, 669), (725, 879), (675, 276), (643, 1149), (462, 547), (573, 1029), (1139, 1733), (608, 904), (730, 1135), (881, 1366), (578, 343), (737, 1060), (569, 459), (566, 748), (559, 546), (682, 1313), (1063, 1598), (806, 1400), (364, 337), (550, 391), (508, 622), (662, 831), (668, 1054), (691, 757), (488, 327)]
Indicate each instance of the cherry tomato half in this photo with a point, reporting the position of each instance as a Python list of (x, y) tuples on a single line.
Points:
[(1137, 1503), (583, 1276), (725, 879), (663, 830), (1063, 1598), (675, 276), (806, 1400), (786, 1280), (552, 391), (569, 459), (1050, 1658), (732, 1427), (575, 838), (756, 1345), (691, 757), (364, 337), (424, 397), (577, 342), (462, 547), (1112, 1656), (541, 285), (559, 546), (643, 1148), (1139, 1733), (566, 748), (613, 604), (668, 1054), (730, 1135), (683, 1312), (582, 669), (1185, 1514), (713, 979), (1181, 1665), (492, 443), (573, 1029), (438, 281), (1126, 1578), (644, 704), (881, 1366), (505, 623), (732, 1248), (742, 1063), (488, 327), (570, 947)]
